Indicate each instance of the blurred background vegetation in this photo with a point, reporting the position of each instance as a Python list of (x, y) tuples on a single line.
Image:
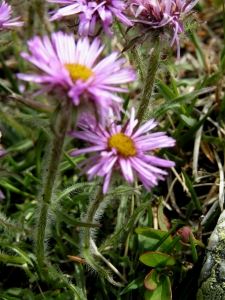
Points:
[(191, 189)]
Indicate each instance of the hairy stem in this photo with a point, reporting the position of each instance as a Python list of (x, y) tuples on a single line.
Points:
[(90, 251), (125, 229), (90, 217), (49, 181), (149, 83), (137, 59), (41, 10)]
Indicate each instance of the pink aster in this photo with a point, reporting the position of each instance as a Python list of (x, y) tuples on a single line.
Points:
[(72, 68), (90, 12), (162, 13), (5, 15), (123, 148)]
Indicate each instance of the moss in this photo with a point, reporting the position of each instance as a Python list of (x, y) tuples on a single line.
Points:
[(212, 277), (211, 289)]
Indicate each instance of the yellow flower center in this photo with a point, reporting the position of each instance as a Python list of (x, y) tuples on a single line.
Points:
[(78, 72), (123, 144)]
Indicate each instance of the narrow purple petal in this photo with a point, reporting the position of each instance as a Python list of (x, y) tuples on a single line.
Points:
[(116, 156)]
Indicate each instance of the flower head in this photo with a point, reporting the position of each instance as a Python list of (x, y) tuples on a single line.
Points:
[(90, 12), (5, 14), (123, 148), (72, 68), (185, 233), (162, 13)]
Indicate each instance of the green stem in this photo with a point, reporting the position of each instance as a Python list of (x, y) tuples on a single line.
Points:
[(30, 21), (90, 251), (90, 217), (49, 181), (149, 83), (41, 10), (124, 231), (135, 53), (91, 260), (137, 59)]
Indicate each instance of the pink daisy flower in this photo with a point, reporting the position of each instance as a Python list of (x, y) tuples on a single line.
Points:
[(162, 13), (123, 148), (90, 12), (72, 68), (5, 14)]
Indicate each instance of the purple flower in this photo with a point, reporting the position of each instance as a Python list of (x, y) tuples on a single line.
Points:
[(123, 148), (162, 13), (90, 12), (5, 12), (72, 68), (3, 153)]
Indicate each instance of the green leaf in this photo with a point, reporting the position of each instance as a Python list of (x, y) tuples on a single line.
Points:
[(199, 243), (131, 43), (189, 210), (165, 91), (192, 191), (21, 146), (8, 259), (156, 247), (193, 249), (170, 66), (24, 294), (213, 140), (125, 230), (12, 188), (14, 291), (43, 295), (9, 225), (180, 126), (71, 221), (174, 85), (136, 283), (163, 291), (75, 290), (150, 281), (5, 117), (154, 236), (69, 159), (19, 251), (199, 50), (157, 259), (27, 295), (178, 101), (8, 73), (161, 218), (94, 263), (124, 189), (5, 88), (74, 187), (30, 103), (181, 141), (190, 122), (7, 297), (172, 245)]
